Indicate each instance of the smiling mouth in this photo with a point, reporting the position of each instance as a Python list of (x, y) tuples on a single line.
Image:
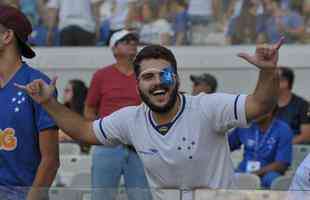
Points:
[(159, 92)]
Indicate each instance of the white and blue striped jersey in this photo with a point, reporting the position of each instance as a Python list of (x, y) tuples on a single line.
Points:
[(300, 186), (193, 153), (301, 180)]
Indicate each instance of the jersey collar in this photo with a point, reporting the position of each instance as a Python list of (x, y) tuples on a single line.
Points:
[(164, 128)]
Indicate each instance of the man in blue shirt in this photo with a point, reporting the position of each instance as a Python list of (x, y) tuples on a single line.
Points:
[(267, 147), (280, 21), (28, 136)]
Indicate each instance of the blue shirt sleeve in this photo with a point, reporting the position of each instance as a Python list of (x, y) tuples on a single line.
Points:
[(284, 150), (234, 140)]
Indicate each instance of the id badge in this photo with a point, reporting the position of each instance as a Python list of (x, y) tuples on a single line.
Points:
[(252, 166)]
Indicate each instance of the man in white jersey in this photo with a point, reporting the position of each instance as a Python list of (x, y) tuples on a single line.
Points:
[(300, 186), (301, 180), (179, 138)]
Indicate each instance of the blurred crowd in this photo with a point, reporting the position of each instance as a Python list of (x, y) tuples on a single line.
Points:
[(166, 22)]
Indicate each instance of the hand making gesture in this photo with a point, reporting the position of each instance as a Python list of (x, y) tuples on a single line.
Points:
[(265, 57), (39, 90)]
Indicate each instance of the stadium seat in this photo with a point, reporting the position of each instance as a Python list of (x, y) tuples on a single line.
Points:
[(72, 165), (81, 180), (299, 154), (281, 183), (69, 149), (236, 157), (247, 181), (78, 189)]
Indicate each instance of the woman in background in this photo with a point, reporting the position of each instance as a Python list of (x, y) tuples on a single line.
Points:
[(74, 97)]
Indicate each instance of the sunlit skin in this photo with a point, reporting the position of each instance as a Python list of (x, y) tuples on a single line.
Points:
[(150, 85)]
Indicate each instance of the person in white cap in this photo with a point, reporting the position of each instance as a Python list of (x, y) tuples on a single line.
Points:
[(113, 87)]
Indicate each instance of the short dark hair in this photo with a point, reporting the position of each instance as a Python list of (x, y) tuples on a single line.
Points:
[(288, 74), (154, 52), (206, 78)]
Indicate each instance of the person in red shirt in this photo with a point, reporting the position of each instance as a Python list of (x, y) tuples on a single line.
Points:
[(112, 88)]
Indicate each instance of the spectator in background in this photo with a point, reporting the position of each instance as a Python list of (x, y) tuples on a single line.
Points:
[(205, 83), (282, 22), (154, 30), (39, 35), (74, 98), (33, 9), (178, 17), (306, 14), (29, 157), (293, 109), (114, 87), (267, 147), (202, 13), (246, 28), (80, 30), (123, 16)]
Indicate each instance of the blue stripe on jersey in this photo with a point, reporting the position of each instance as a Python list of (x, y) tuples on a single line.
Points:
[(170, 124), (101, 129), (235, 107)]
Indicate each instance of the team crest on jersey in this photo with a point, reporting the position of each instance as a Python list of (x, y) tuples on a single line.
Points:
[(163, 129), (8, 141), (251, 143), (271, 141), (17, 101)]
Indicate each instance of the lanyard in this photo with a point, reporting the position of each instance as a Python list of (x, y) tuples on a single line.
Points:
[(259, 144)]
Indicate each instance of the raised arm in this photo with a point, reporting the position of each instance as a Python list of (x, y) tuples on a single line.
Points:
[(265, 95), (70, 122)]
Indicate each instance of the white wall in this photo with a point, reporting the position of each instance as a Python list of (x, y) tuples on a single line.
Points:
[(234, 75)]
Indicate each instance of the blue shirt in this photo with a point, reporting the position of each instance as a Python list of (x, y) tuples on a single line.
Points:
[(274, 145), (38, 36), (30, 9), (291, 21), (231, 29), (21, 120), (179, 23)]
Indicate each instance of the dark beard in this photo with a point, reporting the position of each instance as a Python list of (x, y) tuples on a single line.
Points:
[(167, 107)]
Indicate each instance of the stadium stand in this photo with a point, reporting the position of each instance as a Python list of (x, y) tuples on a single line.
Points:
[(247, 181), (69, 149)]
